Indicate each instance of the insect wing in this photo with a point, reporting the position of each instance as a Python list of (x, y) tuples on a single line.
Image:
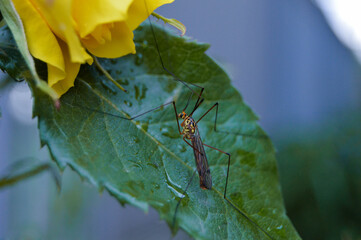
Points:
[(205, 179)]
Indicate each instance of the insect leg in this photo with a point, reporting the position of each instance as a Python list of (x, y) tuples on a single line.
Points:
[(176, 117), (215, 119), (161, 59), (225, 192), (199, 100), (229, 163), (118, 116), (215, 124), (184, 192), (163, 65)]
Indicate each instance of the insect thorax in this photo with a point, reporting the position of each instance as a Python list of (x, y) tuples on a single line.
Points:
[(189, 127)]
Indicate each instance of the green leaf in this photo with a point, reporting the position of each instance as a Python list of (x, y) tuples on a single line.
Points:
[(11, 60), (13, 21), (145, 162)]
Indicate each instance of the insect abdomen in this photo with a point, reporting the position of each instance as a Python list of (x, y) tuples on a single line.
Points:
[(205, 182), (205, 179)]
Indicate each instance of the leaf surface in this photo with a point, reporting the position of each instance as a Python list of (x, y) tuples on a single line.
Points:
[(145, 161)]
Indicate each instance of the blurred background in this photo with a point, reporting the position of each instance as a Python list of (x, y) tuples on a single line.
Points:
[(295, 62)]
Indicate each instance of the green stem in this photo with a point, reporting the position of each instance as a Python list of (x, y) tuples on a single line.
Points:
[(8, 181), (105, 72), (2, 23)]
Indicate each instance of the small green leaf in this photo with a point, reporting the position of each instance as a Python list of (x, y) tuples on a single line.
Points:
[(145, 162), (171, 21)]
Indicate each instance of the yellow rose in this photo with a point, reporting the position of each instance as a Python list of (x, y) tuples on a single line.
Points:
[(59, 32)]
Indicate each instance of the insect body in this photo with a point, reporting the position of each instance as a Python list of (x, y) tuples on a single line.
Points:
[(190, 131)]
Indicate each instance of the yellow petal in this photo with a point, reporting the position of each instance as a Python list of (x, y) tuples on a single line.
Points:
[(121, 43), (106, 33), (57, 14), (102, 33), (62, 81), (42, 42), (139, 11), (89, 14)]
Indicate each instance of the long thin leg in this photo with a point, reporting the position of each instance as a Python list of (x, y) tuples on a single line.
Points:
[(118, 116), (225, 192), (198, 103), (215, 124), (229, 163), (160, 57), (198, 100), (215, 119), (136, 116), (184, 192), (176, 117), (170, 72)]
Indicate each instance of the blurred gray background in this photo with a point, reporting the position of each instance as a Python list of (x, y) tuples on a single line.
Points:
[(282, 56)]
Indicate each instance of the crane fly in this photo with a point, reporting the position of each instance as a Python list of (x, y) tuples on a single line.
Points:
[(188, 128), (190, 132)]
